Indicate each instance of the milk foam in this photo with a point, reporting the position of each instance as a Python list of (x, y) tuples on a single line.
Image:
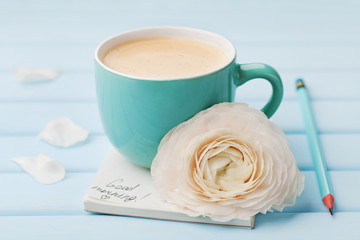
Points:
[(165, 57)]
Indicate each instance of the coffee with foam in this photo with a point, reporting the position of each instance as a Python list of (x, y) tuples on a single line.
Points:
[(165, 58)]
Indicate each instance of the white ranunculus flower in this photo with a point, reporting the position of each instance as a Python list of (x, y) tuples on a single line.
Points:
[(227, 162)]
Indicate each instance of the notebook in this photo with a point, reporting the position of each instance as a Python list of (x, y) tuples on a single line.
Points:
[(123, 188)]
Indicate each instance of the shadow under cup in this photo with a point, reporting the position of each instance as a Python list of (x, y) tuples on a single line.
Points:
[(137, 112)]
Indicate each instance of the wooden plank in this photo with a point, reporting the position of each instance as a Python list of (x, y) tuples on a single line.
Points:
[(89, 155), (26, 196), (71, 57), (330, 116), (80, 86), (344, 31), (256, 33), (92, 6), (31, 118), (83, 157), (288, 17), (69, 86), (23, 195), (340, 151), (300, 58), (281, 226), (321, 86)]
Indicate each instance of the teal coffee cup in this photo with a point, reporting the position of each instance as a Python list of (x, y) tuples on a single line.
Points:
[(137, 112)]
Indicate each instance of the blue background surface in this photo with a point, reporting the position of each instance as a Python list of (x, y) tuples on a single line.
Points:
[(316, 40)]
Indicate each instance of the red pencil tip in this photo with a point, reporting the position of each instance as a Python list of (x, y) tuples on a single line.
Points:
[(331, 211), (329, 202)]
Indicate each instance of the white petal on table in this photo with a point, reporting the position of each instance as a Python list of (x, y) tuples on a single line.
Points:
[(35, 74), (62, 132), (43, 168)]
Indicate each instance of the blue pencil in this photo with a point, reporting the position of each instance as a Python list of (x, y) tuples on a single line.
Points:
[(314, 143)]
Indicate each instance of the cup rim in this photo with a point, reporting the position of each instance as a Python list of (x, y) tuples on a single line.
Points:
[(215, 35)]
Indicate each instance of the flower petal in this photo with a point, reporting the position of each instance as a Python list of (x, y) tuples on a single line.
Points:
[(228, 161)]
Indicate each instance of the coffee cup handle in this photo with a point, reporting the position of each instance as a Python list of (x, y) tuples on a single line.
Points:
[(251, 71)]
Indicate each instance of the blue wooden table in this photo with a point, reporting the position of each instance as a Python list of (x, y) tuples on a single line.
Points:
[(316, 40)]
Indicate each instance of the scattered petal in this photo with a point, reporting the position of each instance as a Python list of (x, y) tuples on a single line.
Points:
[(35, 74), (43, 168), (62, 132)]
